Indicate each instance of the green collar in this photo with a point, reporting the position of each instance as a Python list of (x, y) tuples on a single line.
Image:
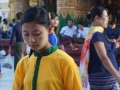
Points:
[(46, 52), (39, 56)]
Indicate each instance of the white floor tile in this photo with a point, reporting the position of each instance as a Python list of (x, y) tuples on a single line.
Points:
[(7, 77)]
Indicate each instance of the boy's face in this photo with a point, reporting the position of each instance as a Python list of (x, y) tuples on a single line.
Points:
[(80, 26), (113, 26)]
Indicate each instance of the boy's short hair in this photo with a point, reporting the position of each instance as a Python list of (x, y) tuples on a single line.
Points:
[(80, 22)]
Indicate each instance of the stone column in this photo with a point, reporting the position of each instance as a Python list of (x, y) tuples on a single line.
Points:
[(82, 8), (34, 2), (21, 5), (12, 10), (66, 6)]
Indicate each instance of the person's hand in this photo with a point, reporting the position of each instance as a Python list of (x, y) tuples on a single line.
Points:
[(62, 34), (110, 40), (118, 80), (77, 32), (49, 15), (9, 50), (14, 41), (114, 40)]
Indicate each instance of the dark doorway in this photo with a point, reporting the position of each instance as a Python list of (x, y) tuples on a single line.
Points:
[(51, 5), (113, 8)]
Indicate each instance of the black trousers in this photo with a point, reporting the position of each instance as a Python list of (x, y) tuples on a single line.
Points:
[(79, 40)]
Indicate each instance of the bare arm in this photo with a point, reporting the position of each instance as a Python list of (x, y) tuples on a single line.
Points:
[(62, 31), (23, 49), (110, 40), (118, 39), (101, 51)]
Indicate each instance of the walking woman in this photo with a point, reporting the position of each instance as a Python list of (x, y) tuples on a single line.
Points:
[(47, 67), (97, 57)]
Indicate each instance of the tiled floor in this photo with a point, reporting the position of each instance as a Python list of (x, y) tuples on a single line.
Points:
[(7, 78)]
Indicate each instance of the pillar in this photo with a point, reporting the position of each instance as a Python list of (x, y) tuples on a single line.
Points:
[(34, 2), (82, 8), (12, 12), (21, 5), (65, 7)]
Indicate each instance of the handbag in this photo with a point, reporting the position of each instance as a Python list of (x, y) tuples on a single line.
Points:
[(7, 62)]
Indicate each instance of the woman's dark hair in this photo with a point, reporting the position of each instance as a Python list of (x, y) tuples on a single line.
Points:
[(97, 10), (45, 7), (53, 15), (13, 20), (80, 22), (37, 15), (5, 21)]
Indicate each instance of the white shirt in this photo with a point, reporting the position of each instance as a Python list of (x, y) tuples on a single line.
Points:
[(68, 31), (84, 32)]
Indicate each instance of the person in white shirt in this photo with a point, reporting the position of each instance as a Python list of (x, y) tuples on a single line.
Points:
[(82, 30), (82, 33), (67, 33)]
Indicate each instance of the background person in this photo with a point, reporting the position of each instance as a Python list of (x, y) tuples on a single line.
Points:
[(17, 32), (81, 34), (112, 32), (67, 33)]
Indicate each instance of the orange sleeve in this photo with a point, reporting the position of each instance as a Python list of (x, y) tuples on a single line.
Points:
[(16, 81), (72, 79), (19, 75)]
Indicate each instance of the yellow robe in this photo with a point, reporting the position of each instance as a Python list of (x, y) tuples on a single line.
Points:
[(57, 71)]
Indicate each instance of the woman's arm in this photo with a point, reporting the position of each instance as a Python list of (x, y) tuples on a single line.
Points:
[(101, 51), (118, 39), (23, 50)]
